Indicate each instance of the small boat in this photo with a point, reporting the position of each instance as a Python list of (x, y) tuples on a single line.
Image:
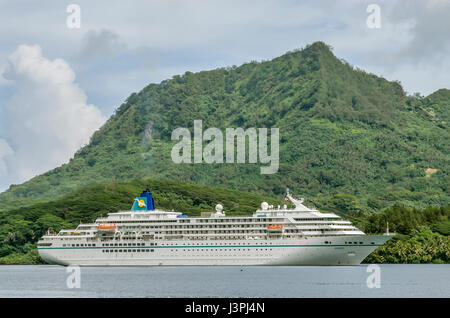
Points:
[(274, 227), (106, 227)]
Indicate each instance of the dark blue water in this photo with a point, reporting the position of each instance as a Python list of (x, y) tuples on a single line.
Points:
[(218, 281)]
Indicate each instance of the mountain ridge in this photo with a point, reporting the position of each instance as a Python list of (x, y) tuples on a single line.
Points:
[(348, 139)]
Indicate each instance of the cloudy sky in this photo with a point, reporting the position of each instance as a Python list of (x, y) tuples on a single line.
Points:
[(59, 84)]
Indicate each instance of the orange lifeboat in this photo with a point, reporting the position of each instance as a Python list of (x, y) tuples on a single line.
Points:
[(275, 227), (106, 227)]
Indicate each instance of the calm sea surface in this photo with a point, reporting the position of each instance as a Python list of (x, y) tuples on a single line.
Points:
[(218, 281)]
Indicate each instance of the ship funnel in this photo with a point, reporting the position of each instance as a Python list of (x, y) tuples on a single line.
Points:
[(144, 202)]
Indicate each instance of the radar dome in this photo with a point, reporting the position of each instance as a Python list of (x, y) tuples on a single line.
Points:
[(264, 206), (219, 208)]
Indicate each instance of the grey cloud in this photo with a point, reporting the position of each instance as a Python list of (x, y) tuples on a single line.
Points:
[(101, 44), (430, 25)]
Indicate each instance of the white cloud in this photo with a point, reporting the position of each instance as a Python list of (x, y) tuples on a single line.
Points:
[(46, 119)]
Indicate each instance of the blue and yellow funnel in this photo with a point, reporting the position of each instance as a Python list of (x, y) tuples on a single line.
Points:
[(144, 202)]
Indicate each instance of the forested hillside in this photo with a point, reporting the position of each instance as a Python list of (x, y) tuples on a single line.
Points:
[(349, 141)]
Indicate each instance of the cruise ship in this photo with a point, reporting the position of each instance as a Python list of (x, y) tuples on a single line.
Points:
[(145, 236)]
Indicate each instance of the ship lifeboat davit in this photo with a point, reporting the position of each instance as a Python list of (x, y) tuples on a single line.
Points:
[(107, 227)]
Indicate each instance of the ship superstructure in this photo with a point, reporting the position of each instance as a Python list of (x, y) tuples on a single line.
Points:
[(271, 236)]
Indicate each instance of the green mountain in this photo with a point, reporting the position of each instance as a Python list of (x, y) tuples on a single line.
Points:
[(349, 140)]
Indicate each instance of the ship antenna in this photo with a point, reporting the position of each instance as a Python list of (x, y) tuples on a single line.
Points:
[(297, 202)]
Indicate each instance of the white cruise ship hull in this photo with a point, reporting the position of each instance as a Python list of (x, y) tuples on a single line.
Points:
[(323, 250)]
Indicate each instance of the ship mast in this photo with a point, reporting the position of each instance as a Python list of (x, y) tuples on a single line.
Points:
[(297, 202)]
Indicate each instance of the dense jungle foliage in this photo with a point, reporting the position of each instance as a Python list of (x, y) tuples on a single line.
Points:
[(421, 235)]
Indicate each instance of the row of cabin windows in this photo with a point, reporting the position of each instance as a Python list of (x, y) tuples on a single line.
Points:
[(152, 244), (129, 251), (215, 244), (357, 242), (190, 244), (249, 220), (327, 242), (316, 230), (215, 226), (215, 221), (201, 226), (224, 249), (237, 220), (123, 220), (205, 231), (126, 244), (212, 221), (80, 245), (217, 231), (188, 250)]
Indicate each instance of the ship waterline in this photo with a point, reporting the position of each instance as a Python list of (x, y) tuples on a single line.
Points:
[(271, 236)]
